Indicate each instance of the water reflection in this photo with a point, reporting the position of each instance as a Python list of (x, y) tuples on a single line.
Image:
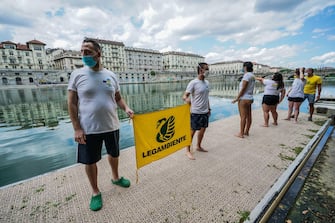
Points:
[(32, 107)]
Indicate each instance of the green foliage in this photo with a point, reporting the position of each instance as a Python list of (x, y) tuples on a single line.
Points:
[(298, 149), (285, 157), (70, 197), (40, 189), (244, 215), (285, 71), (320, 122)]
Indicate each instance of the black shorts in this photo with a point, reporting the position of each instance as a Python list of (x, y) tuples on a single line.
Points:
[(295, 99), (199, 121), (90, 152), (270, 99)]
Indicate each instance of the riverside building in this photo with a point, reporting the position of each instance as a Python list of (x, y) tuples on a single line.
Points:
[(23, 64), (33, 64), (234, 68), (142, 64)]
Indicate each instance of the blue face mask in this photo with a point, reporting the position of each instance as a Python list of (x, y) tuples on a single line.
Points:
[(89, 61)]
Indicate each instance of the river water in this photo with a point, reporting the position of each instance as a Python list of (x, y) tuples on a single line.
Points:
[(36, 135)]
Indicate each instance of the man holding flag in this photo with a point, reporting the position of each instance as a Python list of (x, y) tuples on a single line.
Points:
[(198, 89), (93, 98)]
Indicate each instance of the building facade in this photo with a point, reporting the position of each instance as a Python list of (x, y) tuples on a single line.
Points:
[(141, 64), (31, 63), (235, 68), (226, 68), (181, 62), (67, 60), (261, 69), (24, 64), (31, 56), (113, 55)]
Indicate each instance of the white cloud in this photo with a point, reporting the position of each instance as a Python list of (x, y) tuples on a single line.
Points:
[(280, 54), (318, 30), (264, 31), (327, 58)]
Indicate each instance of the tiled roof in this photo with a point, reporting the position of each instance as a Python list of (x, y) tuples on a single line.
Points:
[(8, 42), (20, 46), (36, 42)]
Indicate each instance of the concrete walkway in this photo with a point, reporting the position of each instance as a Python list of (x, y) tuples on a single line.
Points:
[(219, 186)]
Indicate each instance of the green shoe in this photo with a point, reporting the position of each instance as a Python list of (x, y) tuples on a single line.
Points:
[(122, 182), (96, 202)]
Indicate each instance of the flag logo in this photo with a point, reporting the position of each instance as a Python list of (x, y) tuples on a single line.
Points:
[(166, 129)]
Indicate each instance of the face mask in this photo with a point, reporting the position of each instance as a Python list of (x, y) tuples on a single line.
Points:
[(89, 61), (206, 73)]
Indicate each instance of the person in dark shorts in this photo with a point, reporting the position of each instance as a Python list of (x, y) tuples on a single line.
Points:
[(313, 83), (274, 93), (93, 97), (296, 94), (196, 94)]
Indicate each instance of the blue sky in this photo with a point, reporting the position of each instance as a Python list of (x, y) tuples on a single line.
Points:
[(286, 33)]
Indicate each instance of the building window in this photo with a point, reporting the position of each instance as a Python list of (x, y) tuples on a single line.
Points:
[(9, 46), (37, 48), (18, 81), (4, 81)]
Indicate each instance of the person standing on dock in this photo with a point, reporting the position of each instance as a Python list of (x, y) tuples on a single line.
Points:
[(274, 93), (93, 97), (198, 89), (296, 94), (313, 82), (245, 99)]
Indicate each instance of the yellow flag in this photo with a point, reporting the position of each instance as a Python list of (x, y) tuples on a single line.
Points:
[(158, 134)]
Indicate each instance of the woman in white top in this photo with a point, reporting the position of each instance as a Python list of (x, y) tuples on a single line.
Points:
[(274, 93), (245, 99), (296, 94)]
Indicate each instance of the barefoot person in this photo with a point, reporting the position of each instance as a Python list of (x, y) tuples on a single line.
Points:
[(274, 93), (296, 95), (93, 96), (245, 99), (198, 89)]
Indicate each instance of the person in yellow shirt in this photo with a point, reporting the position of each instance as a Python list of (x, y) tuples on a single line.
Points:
[(313, 82)]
